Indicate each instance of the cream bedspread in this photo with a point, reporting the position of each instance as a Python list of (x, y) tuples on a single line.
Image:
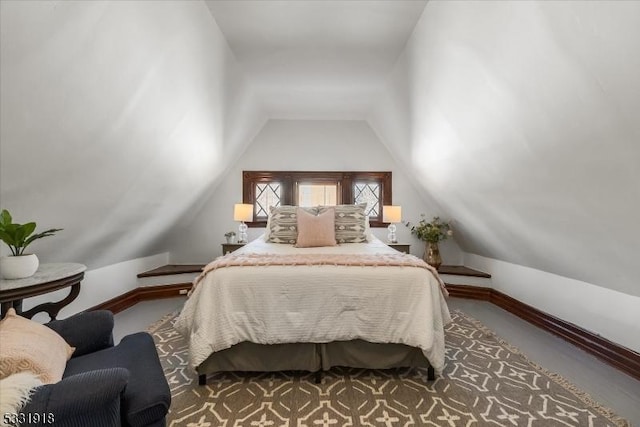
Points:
[(316, 303)]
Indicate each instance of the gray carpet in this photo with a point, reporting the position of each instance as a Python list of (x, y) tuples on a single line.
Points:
[(486, 382)]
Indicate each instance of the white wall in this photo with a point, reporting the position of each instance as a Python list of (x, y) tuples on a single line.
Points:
[(100, 285), (115, 117), (609, 313), (301, 145)]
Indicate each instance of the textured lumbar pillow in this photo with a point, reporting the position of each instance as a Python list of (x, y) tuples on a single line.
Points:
[(30, 346), (15, 391), (316, 230)]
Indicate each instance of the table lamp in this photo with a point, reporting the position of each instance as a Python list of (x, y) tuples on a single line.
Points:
[(392, 214), (242, 212)]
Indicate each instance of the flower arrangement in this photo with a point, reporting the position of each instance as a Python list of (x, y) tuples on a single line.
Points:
[(433, 232)]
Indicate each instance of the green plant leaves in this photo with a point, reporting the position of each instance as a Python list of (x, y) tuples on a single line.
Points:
[(19, 236), (23, 231), (5, 218), (7, 238), (46, 233)]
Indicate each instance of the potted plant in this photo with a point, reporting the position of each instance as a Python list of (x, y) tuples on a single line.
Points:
[(431, 233), (18, 236), (231, 236)]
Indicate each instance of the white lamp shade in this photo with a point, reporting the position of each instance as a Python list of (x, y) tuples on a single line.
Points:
[(391, 214), (242, 212)]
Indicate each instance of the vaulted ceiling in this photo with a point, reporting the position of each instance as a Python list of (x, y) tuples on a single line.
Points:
[(522, 119), (317, 59)]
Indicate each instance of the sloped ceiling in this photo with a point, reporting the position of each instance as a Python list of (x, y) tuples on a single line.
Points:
[(520, 118), (115, 118), (316, 59)]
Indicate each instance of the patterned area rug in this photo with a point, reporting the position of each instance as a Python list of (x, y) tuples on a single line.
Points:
[(486, 383)]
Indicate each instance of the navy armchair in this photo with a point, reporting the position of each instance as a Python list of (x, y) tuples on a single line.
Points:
[(103, 384)]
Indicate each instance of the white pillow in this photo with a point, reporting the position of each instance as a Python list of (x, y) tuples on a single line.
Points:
[(367, 230), (31, 346), (267, 230)]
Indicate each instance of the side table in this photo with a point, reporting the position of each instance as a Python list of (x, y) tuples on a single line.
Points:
[(401, 247), (48, 278), (230, 247)]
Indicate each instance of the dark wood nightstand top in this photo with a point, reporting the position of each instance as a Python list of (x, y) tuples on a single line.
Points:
[(461, 270), (401, 247), (167, 270), (230, 247)]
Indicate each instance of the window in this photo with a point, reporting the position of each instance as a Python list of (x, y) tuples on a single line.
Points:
[(310, 194), (371, 194), (267, 194), (271, 188)]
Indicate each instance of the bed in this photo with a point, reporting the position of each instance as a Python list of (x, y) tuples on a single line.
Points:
[(268, 316)]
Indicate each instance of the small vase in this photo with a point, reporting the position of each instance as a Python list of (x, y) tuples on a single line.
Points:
[(19, 267), (432, 255)]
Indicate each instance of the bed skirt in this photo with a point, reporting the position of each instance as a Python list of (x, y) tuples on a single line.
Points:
[(312, 357)]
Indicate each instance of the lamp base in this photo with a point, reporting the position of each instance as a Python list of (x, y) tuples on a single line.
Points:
[(242, 235), (391, 237)]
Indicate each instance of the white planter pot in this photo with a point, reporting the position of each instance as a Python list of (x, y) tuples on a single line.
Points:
[(18, 267)]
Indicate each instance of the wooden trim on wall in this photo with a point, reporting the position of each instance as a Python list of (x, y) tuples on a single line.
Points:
[(142, 293), (622, 358), (469, 292)]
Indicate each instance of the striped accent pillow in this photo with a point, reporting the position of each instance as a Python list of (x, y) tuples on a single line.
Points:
[(283, 223), (350, 222)]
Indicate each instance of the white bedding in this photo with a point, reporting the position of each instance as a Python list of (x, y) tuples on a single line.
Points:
[(290, 304)]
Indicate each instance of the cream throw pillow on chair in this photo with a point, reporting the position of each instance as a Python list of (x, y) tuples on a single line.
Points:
[(28, 346)]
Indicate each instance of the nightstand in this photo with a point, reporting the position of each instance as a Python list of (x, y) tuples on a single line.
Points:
[(230, 247), (400, 247)]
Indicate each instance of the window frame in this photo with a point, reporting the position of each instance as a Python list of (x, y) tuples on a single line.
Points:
[(289, 181)]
